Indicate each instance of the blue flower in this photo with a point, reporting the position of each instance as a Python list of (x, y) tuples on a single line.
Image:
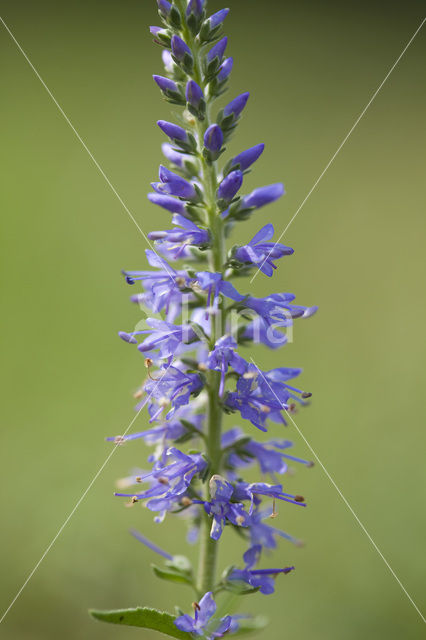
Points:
[(172, 388), (215, 285), (221, 508), (175, 241), (166, 338), (262, 579), (265, 535), (261, 253), (222, 357), (269, 455), (166, 432), (276, 309), (252, 403), (246, 491), (170, 477), (203, 623), (164, 287)]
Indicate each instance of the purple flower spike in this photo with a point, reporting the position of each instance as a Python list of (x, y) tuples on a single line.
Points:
[(194, 94), (218, 17), (180, 48), (236, 106), (166, 84), (218, 50), (202, 623), (213, 138), (264, 195), (173, 130), (193, 345), (168, 203), (230, 186), (246, 158), (225, 69)]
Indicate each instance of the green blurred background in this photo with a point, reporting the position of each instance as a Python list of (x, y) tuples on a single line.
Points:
[(359, 241)]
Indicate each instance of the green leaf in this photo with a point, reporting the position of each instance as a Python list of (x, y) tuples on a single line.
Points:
[(143, 617), (171, 576), (251, 626)]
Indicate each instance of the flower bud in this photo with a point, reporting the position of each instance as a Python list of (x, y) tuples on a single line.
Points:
[(166, 85), (218, 50), (181, 51), (236, 106), (170, 89), (263, 195), (213, 138), (195, 7), (225, 69), (194, 94), (173, 130), (164, 8), (217, 18), (168, 203), (229, 187), (246, 158)]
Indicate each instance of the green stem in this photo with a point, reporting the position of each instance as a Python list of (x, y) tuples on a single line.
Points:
[(217, 254)]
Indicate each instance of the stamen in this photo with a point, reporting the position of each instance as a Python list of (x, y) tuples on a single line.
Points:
[(148, 363), (119, 440), (186, 502), (240, 520), (274, 512), (306, 394), (299, 498), (163, 480)]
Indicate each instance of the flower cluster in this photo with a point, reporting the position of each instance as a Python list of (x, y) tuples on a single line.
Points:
[(195, 350)]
